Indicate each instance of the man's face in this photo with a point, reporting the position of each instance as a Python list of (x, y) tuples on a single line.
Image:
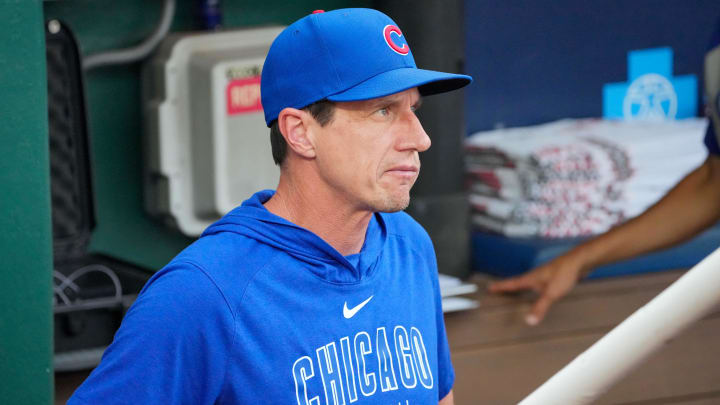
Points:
[(368, 153)]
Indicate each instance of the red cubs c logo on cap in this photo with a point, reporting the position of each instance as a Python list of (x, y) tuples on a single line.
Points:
[(389, 29)]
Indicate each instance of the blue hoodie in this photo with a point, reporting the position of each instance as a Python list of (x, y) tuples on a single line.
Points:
[(259, 310)]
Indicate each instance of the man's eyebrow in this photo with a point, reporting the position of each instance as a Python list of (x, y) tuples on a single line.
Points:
[(392, 99), (383, 101)]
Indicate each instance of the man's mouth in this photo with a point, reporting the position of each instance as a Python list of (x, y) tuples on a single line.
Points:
[(404, 171)]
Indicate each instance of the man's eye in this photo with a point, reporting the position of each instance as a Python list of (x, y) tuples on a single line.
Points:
[(384, 112)]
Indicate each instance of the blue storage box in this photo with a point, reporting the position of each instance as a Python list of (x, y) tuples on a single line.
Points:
[(504, 257)]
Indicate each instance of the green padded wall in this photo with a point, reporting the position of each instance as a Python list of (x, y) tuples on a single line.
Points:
[(114, 107), (25, 242), (113, 98)]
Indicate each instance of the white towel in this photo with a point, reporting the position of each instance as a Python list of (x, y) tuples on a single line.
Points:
[(576, 177)]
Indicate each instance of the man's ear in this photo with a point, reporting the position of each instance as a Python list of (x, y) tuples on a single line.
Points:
[(293, 125)]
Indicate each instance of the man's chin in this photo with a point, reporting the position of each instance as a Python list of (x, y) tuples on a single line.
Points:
[(393, 204)]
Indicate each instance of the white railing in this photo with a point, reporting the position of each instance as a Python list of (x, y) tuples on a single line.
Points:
[(616, 354)]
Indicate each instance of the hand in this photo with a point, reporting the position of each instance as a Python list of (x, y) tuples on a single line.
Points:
[(552, 281)]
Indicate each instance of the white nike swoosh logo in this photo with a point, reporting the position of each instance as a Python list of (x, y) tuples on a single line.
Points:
[(349, 313)]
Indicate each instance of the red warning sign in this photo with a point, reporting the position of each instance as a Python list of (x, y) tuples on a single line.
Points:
[(243, 96)]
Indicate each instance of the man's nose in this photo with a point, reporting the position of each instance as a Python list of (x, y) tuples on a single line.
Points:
[(415, 136)]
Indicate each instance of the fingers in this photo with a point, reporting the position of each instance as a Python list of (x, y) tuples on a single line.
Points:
[(551, 282), (541, 306), (539, 310), (513, 284)]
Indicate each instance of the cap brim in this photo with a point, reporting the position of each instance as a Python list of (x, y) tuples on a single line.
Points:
[(397, 80)]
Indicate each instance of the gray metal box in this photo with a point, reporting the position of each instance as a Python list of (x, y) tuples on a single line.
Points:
[(207, 146)]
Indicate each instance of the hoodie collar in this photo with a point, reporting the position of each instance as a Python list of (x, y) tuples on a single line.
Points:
[(253, 220)]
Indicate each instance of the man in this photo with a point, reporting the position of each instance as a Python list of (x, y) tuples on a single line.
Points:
[(690, 207), (321, 292)]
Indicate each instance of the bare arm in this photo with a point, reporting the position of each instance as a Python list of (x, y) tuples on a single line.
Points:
[(448, 400), (691, 206)]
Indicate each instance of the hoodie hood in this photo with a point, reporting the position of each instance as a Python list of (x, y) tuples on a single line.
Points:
[(253, 220)]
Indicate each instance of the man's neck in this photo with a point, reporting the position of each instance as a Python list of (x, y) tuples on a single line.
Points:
[(315, 208)]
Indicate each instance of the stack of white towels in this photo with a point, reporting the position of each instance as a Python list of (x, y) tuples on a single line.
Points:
[(574, 178)]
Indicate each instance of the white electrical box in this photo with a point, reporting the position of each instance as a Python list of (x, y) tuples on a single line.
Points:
[(207, 147)]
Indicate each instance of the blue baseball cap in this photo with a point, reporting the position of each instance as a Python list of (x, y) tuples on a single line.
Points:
[(343, 55)]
